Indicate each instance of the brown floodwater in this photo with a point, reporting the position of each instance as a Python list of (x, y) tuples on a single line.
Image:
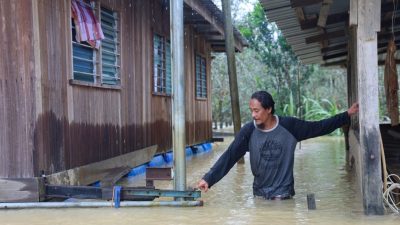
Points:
[(319, 169)]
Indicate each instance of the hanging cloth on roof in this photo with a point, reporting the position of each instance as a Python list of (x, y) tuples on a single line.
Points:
[(87, 27), (391, 83)]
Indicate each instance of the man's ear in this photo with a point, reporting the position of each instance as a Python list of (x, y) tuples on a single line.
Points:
[(269, 110)]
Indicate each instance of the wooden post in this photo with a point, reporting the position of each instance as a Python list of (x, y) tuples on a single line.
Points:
[(324, 12), (352, 73), (391, 83), (311, 202), (230, 55), (352, 156), (349, 68), (367, 18)]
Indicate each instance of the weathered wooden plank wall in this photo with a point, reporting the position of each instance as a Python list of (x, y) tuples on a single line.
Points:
[(51, 127), (72, 125), (16, 82), (198, 111), (202, 111)]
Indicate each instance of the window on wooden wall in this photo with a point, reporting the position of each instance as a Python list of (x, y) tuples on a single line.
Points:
[(201, 77), (110, 54), (162, 66), (102, 65)]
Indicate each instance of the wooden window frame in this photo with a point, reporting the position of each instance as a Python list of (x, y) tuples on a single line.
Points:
[(164, 77), (97, 54), (201, 95)]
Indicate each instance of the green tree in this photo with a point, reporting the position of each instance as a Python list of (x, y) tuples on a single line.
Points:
[(270, 64)]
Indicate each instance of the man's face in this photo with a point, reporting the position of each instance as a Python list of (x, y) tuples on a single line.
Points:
[(259, 114)]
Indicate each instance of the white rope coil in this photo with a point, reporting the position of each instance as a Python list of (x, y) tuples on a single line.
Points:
[(389, 196)]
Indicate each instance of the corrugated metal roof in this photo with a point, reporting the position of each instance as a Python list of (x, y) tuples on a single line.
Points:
[(281, 12), (220, 18), (305, 38)]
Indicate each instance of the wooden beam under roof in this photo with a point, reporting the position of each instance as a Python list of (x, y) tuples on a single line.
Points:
[(336, 63), (201, 22), (331, 19), (218, 42), (387, 7), (324, 43), (311, 23), (205, 29), (325, 36), (209, 17), (387, 35), (210, 33), (214, 37), (343, 63), (302, 3), (219, 48), (388, 23), (340, 54), (300, 14), (206, 14), (382, 48), (334, 48), (324, 12)]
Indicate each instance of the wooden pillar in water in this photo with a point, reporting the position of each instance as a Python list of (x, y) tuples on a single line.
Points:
[(352, 85), (365, 16), (230, 55)]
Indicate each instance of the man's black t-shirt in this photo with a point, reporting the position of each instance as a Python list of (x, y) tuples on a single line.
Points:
[(272, 152)]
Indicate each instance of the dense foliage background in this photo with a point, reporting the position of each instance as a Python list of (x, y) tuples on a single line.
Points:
[(305, 91), (308, 92)]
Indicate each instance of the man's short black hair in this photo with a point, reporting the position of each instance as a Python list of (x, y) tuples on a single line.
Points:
[(265, 99)]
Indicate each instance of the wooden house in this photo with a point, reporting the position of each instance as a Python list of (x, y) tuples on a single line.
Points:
[(64, 104)]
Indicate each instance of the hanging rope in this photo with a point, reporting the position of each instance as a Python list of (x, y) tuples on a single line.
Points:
[(390, 184)]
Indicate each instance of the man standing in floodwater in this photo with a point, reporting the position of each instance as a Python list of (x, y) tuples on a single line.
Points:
[(271, 141)]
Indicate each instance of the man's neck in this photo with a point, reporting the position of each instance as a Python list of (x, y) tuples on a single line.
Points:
[(269, 124)]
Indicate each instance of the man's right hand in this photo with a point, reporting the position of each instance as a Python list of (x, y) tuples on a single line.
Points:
[(353, 109), (202, 185)]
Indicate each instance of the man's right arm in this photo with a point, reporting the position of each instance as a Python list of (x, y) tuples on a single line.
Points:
[(235, 151)]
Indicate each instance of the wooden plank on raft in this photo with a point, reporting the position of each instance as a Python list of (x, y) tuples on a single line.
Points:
[(114, 175), (21, 189)]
